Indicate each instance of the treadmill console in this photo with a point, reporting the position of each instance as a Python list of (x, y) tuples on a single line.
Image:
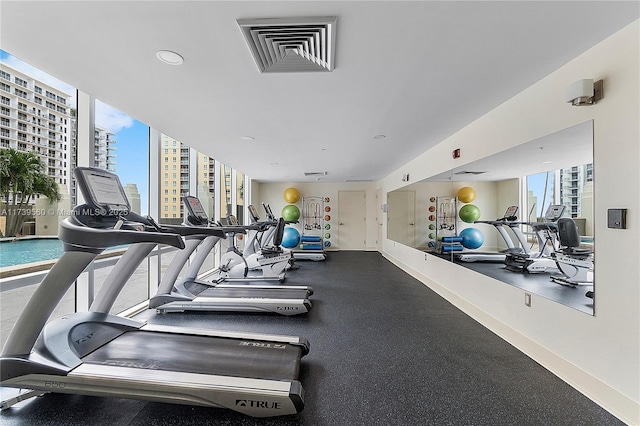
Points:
[(255, 217), (511, 213), (195, 210), (102, 191), (267, 209), (231, 220), (554, 212)]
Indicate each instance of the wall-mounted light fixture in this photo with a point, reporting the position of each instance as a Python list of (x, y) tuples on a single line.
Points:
[(584, 92)]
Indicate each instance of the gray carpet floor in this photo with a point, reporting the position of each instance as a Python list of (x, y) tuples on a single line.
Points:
[(385, 350)]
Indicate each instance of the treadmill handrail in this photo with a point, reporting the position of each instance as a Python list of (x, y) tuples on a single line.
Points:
[(188, 230), (76, 234)]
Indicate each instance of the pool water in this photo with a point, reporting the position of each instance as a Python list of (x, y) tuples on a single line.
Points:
[(27, 251)]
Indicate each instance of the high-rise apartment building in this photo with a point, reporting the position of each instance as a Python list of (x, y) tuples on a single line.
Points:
[(176, 177), (104, 155), (35, 117), (573, 181), (104, 149)]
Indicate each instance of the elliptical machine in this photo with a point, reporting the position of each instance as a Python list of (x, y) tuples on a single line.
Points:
[(574, 262), (267, 265)]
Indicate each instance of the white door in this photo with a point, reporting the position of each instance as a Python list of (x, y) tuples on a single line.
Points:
[(352, 226), (401, 217)]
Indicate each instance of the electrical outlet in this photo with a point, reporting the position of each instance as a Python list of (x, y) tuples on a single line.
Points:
[(426, 256), (527, 299)]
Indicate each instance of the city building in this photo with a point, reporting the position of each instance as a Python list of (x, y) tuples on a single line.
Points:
[(35, 117), (176, 162)]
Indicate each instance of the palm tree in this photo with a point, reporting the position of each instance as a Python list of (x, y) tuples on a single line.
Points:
[(22, 177)]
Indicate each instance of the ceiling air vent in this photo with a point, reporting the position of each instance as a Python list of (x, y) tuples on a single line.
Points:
[(291, 44), (464, 172), (315, 173)]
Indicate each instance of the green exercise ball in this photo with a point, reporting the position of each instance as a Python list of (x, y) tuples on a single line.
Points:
[(469, 213), (290, 213), (432, 236), (432, 227)]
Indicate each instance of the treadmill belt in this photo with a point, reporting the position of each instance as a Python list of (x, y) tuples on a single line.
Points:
[(200, 354), (282, 293)]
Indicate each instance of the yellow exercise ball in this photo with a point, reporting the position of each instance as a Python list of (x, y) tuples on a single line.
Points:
[(291, 195), (466, 194)]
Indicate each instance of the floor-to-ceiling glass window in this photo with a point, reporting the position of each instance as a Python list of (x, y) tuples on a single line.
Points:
[(121, 145), (240, 205), (571, 187), (226, 208), (37, 118), (206, 192)]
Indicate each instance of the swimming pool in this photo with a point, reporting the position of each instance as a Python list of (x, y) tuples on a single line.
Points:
[(29, 250)]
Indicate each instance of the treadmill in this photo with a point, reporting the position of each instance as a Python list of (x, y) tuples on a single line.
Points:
[(99, 354), (187, 293), (547, 236), (508, 219)]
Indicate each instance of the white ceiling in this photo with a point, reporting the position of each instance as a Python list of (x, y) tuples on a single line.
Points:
[(566, 148), (414, 71)]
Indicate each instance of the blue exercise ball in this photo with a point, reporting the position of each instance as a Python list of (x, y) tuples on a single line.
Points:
[(472, 238), (290, 237)]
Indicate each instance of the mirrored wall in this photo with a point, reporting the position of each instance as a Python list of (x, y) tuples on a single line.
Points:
[(499, 216)]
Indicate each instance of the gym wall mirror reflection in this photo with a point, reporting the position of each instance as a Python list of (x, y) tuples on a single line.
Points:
[(553, 170)]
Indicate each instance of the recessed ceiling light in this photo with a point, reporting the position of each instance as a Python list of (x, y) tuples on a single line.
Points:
[(547, 162), (380, 136), (247, 138), (169, 57)]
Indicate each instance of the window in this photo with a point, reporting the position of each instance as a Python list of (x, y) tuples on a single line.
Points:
[(20, 82), (572, 187)]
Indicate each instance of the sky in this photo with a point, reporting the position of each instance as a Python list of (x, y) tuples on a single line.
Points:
[(536, 184), (132, 154)]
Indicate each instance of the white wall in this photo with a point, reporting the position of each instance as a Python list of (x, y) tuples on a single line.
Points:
[(600, 354), (272, 193)]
